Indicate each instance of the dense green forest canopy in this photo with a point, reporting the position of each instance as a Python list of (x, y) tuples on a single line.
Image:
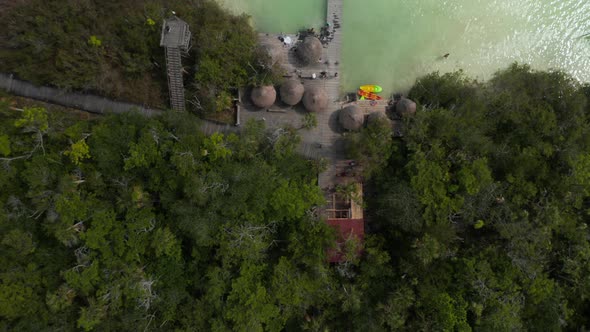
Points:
[(112, 48), (484, 205), (125, 223), (477, 219)]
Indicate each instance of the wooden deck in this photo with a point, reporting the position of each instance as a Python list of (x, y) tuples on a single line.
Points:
[(369, 107)]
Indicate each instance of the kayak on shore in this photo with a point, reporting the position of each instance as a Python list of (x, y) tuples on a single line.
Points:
[(371, 88), (368, 95)]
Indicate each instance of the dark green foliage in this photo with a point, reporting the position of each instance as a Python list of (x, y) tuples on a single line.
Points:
[(372, 146), (226, 57), (112, 47), (99, 46), (489, 190), (158, 227), (446, 91), (478, 219)]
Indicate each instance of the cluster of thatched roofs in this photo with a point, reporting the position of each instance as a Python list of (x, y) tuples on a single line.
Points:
[(275, 54), (352, 117), (292, 92), (405, 106), (264, 96), (310, 50), (315, 99)]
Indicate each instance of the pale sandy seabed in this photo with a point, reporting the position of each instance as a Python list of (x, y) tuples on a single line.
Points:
[(391, 43)]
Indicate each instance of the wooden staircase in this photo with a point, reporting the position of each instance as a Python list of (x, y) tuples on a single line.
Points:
[(175, 82)]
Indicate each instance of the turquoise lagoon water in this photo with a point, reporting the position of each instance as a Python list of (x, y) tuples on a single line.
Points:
[(280, 15), (392, 42)]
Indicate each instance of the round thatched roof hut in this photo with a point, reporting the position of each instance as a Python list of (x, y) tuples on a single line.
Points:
[(376, 117), (264, 96), (405, 107), (274, 52), (292, 92), (315, 99), (310, 50), (351, 118)]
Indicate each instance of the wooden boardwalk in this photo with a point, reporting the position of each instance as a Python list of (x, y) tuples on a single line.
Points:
[(327, 134)]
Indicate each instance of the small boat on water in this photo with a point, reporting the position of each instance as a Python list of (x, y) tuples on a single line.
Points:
[(368, 95), (371, 88)]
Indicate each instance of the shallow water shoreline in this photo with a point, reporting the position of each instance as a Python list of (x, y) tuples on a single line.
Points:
[(391, 43)]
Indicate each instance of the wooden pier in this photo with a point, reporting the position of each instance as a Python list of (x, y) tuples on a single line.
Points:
[(327, 130)]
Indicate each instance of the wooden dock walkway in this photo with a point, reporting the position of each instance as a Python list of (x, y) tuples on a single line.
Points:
[(327, 130)]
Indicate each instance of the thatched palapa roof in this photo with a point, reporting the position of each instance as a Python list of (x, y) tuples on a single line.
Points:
[(292, 92), (376, 117), (275, 52), (315, 99), (405, 107), (310, 50), (351, 118), (264, 96)]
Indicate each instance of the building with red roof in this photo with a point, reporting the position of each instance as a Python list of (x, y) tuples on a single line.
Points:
[(347, 230), (345, 215)]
